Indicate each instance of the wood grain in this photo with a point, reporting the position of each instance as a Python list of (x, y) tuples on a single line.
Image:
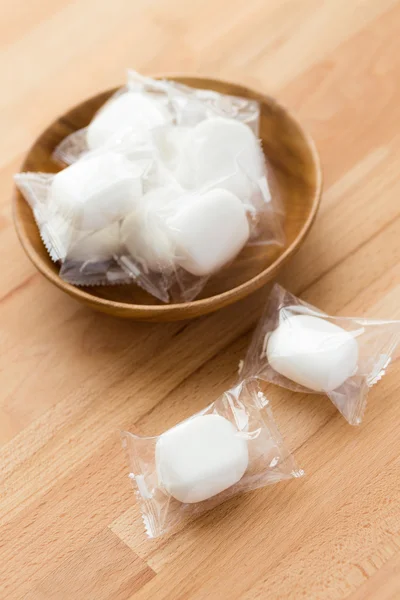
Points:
[(295, 181), (70, 378)]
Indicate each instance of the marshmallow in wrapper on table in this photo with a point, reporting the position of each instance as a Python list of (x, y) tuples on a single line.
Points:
[(312, 352), (227, 152), (229, 447), (131, 110), (200, 458), (95, 191)]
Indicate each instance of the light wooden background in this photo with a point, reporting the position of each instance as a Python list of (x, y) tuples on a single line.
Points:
[(70, 378)]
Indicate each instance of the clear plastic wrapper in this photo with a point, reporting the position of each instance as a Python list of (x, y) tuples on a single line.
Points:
[(303, 349), (144, 104), (230, 447)]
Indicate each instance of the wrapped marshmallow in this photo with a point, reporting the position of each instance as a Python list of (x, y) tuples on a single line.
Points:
[(79, 210), (313, 352), (208, 231), (301, 348), (135, 110), (97, 191), (179, 239), (200, 458), (224, 151), (230, 447)]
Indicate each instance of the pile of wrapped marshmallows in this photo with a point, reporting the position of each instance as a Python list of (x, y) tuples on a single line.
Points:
[(164, 187)]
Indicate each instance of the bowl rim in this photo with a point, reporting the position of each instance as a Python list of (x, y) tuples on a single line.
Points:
[(219, 299)]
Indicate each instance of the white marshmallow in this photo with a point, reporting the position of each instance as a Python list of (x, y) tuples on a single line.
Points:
[(94, 192), (208, 231), (98, 246), (312, 352), (132, 110), (200, 458), (145, 234), (223, 152)]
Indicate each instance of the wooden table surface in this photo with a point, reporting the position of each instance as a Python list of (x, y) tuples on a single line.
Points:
[(70, 379)]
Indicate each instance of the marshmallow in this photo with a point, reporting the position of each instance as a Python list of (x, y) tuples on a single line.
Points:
[(200, 458), (312, 352), (94, 192), (208, 230), (223, 152), (132, 110), (144, 232)]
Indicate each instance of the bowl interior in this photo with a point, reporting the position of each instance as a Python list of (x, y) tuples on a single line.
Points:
[(296, 178)]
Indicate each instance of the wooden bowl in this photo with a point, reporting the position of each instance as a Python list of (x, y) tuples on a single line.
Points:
[(295, 163)]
